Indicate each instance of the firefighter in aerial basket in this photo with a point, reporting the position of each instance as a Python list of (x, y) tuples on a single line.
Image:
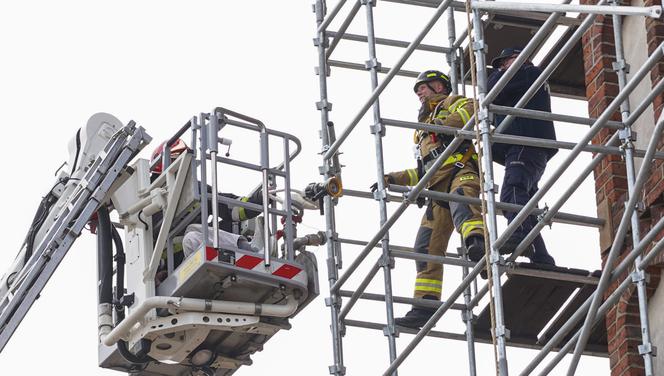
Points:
[(227, 215), (457, 175)]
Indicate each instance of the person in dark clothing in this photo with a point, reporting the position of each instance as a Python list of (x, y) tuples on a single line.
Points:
[(524, 165), (235, 214)]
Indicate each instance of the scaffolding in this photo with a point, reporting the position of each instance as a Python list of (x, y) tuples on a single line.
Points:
[(572, 330)]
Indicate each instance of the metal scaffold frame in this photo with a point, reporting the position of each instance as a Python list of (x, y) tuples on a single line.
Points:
[(595, 307)]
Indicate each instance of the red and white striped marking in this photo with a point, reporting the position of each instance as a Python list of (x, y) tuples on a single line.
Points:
[(251, 262)]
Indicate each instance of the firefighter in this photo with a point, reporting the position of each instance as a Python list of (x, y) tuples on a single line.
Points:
[(458, 175), (524, 165)]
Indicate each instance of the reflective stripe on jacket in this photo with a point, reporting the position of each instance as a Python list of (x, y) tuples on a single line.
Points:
[(447, 110)]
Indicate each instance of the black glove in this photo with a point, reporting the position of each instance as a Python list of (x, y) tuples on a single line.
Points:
[(386, 178), (421, 201), (314, 191)]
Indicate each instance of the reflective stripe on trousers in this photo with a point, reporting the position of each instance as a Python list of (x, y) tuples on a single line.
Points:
[(438, 224)]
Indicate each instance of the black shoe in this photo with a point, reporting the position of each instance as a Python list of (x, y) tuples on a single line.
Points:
[(545, 259), (529, 252), (510, 246), (475, 247), (415, 318)]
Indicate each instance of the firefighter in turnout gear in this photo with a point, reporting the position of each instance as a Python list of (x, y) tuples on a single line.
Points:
[(457, 175)]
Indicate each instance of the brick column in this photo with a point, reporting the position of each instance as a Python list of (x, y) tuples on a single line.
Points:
[(622, 321), (654, 187)]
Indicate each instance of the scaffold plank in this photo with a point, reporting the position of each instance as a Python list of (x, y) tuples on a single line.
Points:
[(532, 304)]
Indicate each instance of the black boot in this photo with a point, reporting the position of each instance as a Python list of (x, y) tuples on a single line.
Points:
[(510, 246), (541, 255), (475, 247), (415, 318), (543, 258)]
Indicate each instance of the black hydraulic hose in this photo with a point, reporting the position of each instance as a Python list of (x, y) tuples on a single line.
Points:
[(129, 356), (37, 222), (104, 257), (78, 151), (43, 210), (120, 260), (111, 237)]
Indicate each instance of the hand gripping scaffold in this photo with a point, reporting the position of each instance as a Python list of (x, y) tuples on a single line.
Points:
[(198, 287), (531, 24)]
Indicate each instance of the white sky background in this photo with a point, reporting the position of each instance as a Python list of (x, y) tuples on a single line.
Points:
[(159, 63)]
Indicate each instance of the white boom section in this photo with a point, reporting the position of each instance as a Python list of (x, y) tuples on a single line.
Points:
[(102, 151), (83, 150)]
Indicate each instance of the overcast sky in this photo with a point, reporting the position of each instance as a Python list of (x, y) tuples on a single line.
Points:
[(161, 62)]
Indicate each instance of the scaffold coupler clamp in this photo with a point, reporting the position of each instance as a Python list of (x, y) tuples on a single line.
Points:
[(324, 105), (391, 331), (639, 206), (378, 128), (490, 187), (328, 71), (496, 258), (647, 348), (386, 260), (405, 195), (323, 150), (626, 143), (620, 65), (627, 135), (640, 276), (337, 369), (468, 316), (380, 194), (332, 235), (542, 216), (333, 241), (479, 45), (502, 331), (333, 301), (482, 116)]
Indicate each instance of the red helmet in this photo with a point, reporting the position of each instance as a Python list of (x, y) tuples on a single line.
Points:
[(156, 162)]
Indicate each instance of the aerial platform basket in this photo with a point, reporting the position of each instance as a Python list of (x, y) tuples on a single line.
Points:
[(206, 312), (238, 276)]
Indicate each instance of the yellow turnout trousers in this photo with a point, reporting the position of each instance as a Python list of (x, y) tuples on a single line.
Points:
[(439, 221)]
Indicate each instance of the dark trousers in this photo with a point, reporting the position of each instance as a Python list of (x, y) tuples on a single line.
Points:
[(524, 167)]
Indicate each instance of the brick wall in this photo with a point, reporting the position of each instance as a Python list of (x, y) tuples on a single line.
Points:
[(654, 187), (623, 326)]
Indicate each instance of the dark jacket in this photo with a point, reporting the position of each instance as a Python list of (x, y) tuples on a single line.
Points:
[(225, 211), (509, 96)]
